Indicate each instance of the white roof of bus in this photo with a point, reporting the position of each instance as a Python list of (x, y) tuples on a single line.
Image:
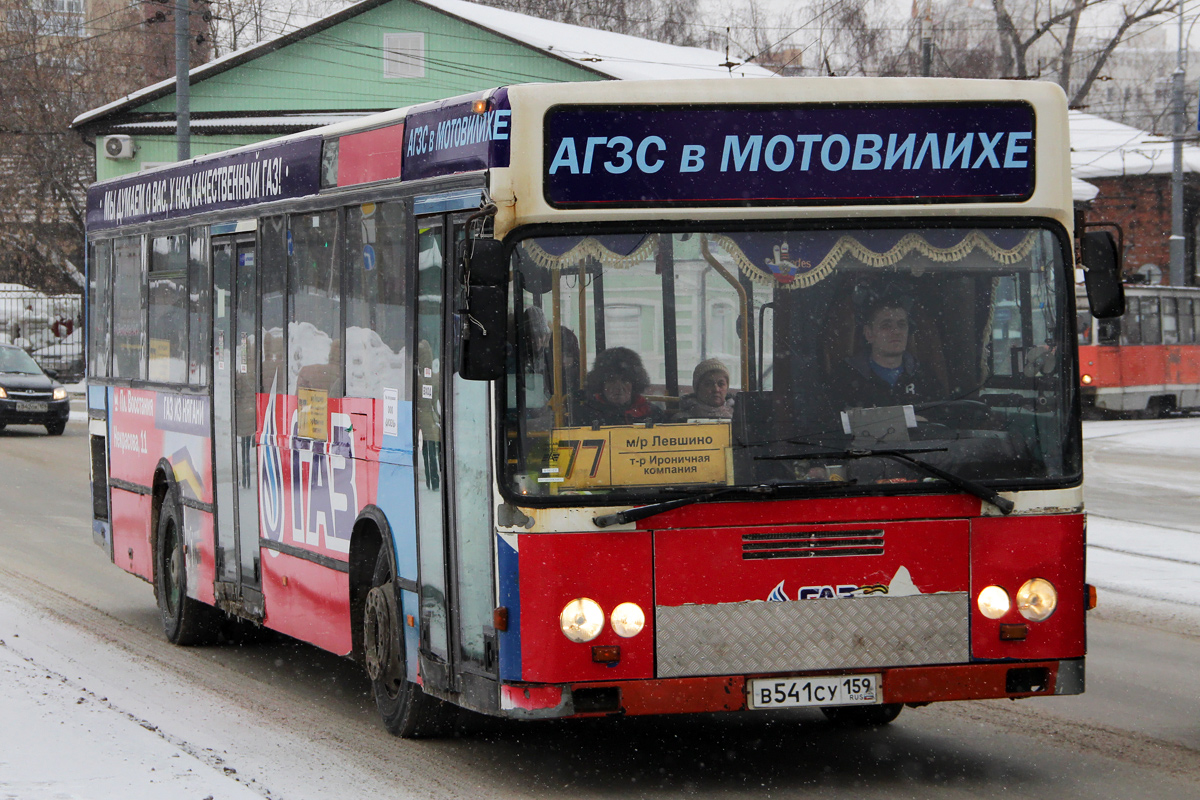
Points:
[(1101, 148)]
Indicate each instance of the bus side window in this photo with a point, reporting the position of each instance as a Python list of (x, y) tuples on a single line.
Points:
[(1151, 321), (1131, 323), (129, 302), (167, 319), (1083, 324), (375, 300), (314, 283), (1170, 321), (1108, 331), (1186, 331)]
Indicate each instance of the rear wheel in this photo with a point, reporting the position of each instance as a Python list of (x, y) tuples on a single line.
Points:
[(405, 709), (185, 621), (862, 716)]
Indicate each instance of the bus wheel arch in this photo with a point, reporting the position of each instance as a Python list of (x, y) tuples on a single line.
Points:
[(367, 540), (404, 708), (186, 621)]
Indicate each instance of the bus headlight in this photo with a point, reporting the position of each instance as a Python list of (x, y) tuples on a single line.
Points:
[(628, 619), (1086, 380), (1037, 599), (581, 620), (993, 602)]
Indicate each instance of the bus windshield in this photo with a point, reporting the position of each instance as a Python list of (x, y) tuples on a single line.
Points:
[(652, 364)]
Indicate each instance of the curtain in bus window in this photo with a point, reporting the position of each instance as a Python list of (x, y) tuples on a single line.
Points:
[(168, 316), (200, 313), (129, 330), (99, 312), (375, 300), (314, 330), (272, 274), (795, 260)]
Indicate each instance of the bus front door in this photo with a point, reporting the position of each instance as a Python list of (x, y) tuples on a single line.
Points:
[(235, 463), (453, 481)]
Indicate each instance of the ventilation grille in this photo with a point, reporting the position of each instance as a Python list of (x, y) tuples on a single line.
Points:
[(811, 544)]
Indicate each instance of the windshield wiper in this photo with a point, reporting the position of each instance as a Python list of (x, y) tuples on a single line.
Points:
[(1005, 505), (642, 512)]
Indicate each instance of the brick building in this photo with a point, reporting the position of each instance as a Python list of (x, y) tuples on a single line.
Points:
[(1132, 169)]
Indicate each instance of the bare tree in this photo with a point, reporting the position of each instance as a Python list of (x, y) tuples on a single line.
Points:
[(55, 64), (672, 21), (1033, 30)]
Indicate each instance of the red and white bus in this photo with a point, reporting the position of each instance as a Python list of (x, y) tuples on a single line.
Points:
[(348, 385), (1147, 361)]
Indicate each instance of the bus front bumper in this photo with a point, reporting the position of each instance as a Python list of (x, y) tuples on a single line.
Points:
[(911, 685)]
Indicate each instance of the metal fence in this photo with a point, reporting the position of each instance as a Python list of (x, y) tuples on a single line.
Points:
[(49, 327)]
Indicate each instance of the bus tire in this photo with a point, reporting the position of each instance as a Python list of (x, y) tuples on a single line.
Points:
[(862, 716), (186, 621), (406, 711)]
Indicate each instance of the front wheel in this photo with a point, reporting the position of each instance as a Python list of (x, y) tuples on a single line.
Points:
[(185, 621), (862, 716), (403, 706), (55, 428)]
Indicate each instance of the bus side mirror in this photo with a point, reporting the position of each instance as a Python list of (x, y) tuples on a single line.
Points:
[(483, 293), (1102, 275)]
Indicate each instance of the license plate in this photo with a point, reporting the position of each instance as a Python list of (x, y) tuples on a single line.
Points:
[(825, 690), (25, 405)]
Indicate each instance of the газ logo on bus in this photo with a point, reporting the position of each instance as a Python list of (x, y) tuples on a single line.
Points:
[(270, 475), (323, 494), (901, 585)]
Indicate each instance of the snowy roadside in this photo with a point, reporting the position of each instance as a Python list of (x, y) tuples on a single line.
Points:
[(61, 741), (1147, 574)]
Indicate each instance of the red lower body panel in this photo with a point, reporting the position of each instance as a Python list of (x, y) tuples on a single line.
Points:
[(307, 601)]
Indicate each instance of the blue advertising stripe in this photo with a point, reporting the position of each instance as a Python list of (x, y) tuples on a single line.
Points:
[(639, 156), (287, 170)]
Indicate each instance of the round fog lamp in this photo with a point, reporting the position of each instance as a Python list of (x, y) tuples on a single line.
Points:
[(581, 620), (993, 602), (1037, 599), (628, 619)]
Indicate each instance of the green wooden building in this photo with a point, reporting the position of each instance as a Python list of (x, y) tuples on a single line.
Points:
[(372, 56)]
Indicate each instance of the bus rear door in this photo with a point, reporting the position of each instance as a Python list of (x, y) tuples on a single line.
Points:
[(235, 464)]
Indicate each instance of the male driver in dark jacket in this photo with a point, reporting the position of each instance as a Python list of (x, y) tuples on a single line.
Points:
[(887, 375)]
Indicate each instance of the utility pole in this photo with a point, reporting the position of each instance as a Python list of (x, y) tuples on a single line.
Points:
[(927, 40), (1178, 242), (183, 114)]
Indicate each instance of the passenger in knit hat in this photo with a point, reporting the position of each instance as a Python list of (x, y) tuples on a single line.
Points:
[(710, 398)]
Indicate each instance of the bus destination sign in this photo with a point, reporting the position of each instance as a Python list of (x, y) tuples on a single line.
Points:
[(646, 156)]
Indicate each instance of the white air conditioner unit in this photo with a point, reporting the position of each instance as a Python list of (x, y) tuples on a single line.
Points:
[(119, 147)]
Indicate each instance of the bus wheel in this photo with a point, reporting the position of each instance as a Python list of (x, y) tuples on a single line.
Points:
[(405, 709), (862, 716), (185, 621)]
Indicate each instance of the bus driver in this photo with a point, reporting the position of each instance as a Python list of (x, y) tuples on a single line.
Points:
[(886, 374)]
